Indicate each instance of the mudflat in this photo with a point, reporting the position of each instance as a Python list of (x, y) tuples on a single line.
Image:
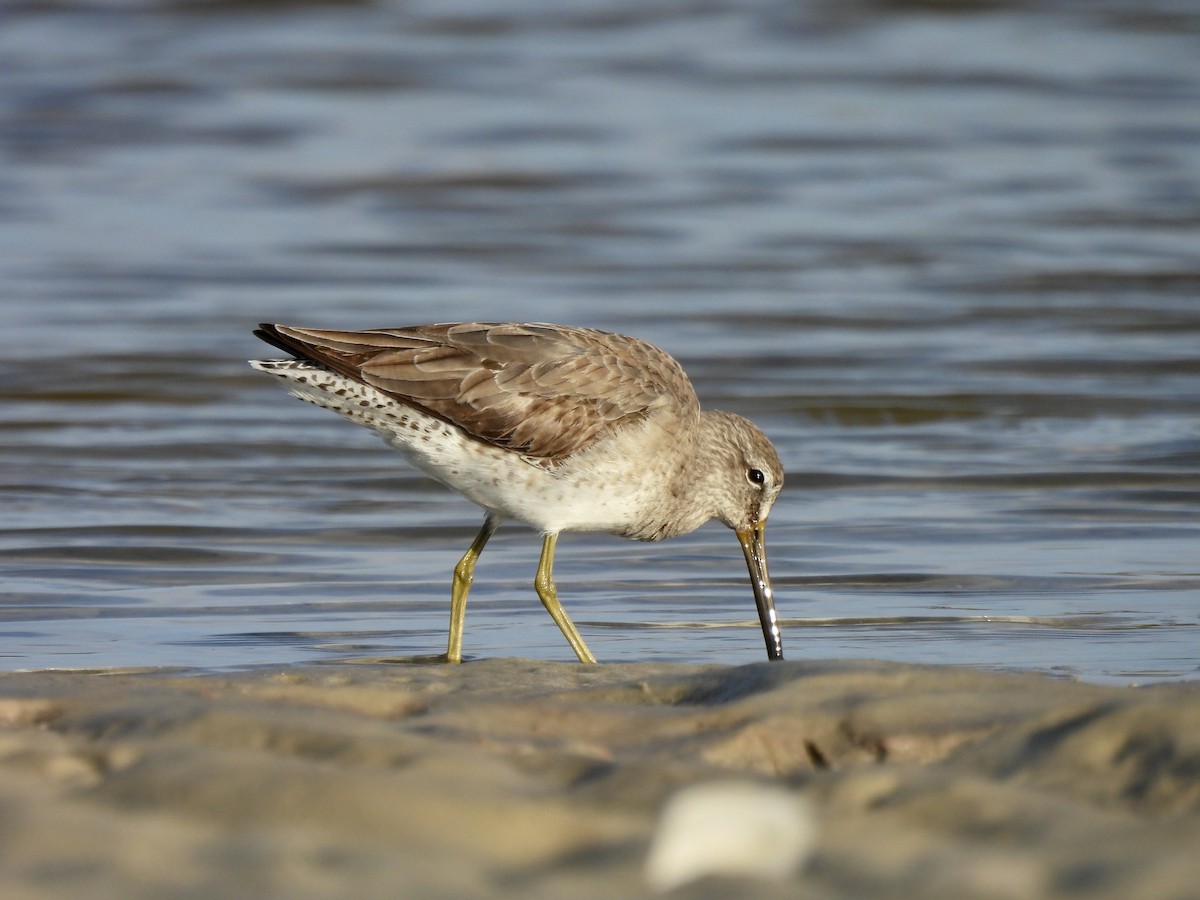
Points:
[(535, 779)]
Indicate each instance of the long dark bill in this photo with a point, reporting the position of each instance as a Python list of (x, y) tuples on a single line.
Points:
[(755, 550)]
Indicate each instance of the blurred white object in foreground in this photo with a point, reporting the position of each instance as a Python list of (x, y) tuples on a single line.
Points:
[(730, 828)]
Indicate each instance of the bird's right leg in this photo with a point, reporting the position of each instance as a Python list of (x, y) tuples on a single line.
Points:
[(464, 575)]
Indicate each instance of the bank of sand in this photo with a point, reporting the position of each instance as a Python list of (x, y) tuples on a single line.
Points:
[(534, 779)]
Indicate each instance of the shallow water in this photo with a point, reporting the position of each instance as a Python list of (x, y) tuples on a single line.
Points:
[(947, 255)]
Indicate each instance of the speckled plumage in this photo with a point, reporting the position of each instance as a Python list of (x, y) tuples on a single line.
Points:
[(566, 429)]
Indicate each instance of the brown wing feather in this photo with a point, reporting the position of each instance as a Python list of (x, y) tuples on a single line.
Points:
[(546, 391)]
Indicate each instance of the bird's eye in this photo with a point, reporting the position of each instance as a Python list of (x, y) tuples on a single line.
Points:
[(756, 476)]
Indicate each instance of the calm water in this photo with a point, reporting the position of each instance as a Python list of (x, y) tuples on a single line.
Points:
[(947, 255)]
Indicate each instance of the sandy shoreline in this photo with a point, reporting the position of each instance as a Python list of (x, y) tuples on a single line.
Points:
[(534, 779)]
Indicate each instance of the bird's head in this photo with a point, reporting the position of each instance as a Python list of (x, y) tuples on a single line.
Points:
[(748, 477)]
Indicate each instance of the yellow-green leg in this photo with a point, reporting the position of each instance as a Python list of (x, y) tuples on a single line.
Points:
[(464, 575), (543, 583)]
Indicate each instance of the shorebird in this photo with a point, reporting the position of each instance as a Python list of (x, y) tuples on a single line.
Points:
[(563, 428)]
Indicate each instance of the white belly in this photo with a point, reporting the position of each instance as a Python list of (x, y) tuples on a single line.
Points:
[(574, 496)]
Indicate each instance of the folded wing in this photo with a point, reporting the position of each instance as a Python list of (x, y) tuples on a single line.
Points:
[(546, 391)]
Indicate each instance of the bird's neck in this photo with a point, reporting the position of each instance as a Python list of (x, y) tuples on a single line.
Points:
[(695, 486)]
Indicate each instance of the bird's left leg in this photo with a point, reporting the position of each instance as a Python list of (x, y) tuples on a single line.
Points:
[(543, 583)]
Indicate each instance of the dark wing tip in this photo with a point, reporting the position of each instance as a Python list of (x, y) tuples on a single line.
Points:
[(271, 334)]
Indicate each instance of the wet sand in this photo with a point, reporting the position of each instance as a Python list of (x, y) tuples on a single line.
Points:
[(533, 779)]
